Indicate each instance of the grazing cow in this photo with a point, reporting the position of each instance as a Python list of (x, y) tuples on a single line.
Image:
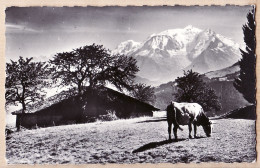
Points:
[(187, 114)]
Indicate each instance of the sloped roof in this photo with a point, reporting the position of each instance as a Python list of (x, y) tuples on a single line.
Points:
[(65, 95), (32, 108), (132, 99)]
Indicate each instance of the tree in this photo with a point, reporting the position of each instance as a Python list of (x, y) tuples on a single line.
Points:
[(193, 89), (24, 81), (143, 93), (93, 66), (246, 81)]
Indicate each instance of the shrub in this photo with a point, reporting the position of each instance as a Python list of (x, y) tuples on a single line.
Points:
[(110, 116)]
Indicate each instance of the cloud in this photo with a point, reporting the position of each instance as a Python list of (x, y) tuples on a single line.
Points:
[(86, 29), (14, 28)]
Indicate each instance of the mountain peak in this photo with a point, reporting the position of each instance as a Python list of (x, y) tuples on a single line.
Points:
[(129, 42), (126, 47), (164, 55), (209, 32), (189, 27)]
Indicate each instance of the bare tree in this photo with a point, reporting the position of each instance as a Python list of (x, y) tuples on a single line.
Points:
[(25, 81)]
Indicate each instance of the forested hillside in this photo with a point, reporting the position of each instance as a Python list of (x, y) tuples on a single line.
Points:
[(229, 97)]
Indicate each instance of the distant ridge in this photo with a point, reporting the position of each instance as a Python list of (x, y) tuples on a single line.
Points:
[(225, 72), (248, 112)]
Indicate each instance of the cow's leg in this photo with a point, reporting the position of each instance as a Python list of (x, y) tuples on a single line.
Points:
[(195, 130), (175, 128), (190, 129), (169, 129), (190, 126)]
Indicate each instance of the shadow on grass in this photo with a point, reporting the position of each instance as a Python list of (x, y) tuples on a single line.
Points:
[(160, 143), (155, 120), (200, 137), (155, 144)]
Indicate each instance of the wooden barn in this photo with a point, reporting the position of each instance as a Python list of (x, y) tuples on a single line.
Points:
[(85, 108)]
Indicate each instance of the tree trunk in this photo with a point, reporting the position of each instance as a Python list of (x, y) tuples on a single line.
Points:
[(23, 99), (79, 88), (24, 107)]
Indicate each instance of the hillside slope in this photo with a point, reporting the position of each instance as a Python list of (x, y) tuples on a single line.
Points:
[(248, 112), (115, 142), (234, 69), (229, 97)]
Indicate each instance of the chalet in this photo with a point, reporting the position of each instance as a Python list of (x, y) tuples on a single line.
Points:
[(84, 108)]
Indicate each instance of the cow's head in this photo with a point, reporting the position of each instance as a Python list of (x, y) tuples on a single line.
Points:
[(207, 128)]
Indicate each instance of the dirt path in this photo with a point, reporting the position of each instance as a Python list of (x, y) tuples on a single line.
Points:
[(114, 142)]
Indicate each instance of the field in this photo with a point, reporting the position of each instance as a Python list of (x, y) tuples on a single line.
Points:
[(140, 140)]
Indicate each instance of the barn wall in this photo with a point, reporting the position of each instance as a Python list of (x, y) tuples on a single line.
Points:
[(33, 120), (141, 111), (70, 109), (124, 106)]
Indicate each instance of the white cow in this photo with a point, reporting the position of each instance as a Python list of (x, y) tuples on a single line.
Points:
[(187, 114)]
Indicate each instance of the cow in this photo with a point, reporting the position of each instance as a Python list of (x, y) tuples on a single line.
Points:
[(187, 114)]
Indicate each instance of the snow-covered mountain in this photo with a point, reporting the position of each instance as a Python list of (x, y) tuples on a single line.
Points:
[(211, 52), (126, 47), (163, 56)]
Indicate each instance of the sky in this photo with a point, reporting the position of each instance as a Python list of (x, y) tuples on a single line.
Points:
[(41, 32)]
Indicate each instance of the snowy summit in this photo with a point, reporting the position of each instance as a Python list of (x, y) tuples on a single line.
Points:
[(164, 56)]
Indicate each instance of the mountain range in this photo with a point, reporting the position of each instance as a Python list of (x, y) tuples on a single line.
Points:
[(162, 57)]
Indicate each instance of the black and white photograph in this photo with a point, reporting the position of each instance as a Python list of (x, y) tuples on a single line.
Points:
[(130, 84)]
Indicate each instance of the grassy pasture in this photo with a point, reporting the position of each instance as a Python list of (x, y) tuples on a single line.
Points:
[(140, 140)]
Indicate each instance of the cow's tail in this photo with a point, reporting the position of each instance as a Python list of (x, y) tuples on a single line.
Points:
[(180, 127), (175, 120), (171, 116)]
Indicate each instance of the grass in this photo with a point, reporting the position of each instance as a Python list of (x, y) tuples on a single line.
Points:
[(141, 140)]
